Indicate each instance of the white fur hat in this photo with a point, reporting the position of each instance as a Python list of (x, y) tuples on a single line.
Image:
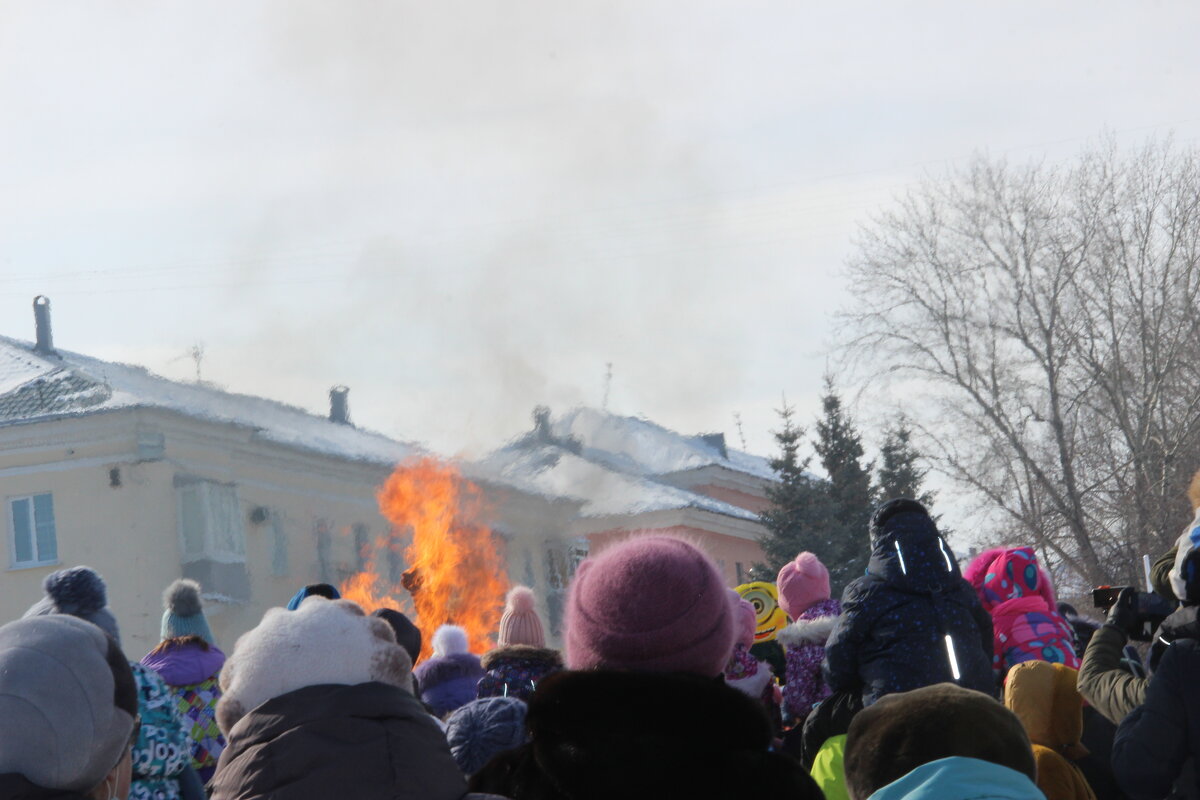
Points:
[(324, 641)]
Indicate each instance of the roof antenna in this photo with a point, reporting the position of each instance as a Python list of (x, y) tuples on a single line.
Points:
[(196, 354), (737, 419), (607, 385)]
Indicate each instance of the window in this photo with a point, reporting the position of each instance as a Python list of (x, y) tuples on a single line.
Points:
[(362, 545), (34, 540), (212, 537), (210, 522), (324, 551), (279, 546)]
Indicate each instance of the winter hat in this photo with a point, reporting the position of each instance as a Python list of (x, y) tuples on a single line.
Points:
[(483, 728), (802, 584), (408, 635), (184, 614), (68, 701), (79, 592), (746, 622), (893, 508), (448, 679), (653, 604), (325, 590), (520, 623), (291, 650), (903, 731)]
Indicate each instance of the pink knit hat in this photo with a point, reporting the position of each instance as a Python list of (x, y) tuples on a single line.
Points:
[(802, 584), (747, 620), (520, 623), (652, 604)]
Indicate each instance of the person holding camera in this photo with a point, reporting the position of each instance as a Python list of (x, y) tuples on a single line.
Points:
[(1105, 681)]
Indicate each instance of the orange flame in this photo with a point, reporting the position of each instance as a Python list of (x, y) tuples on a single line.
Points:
[(456, 572)]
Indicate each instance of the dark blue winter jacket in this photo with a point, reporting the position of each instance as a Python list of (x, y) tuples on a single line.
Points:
[(912, 620), (1156, 740)]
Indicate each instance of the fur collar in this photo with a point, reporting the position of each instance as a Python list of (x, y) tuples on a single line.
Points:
[(681, 735), (523, 652), (807, 631)]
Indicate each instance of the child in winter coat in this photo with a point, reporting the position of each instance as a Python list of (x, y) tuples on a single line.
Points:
[(745, 672), (1044, 698), (188, 660), (804, 595), (1025, 620), (449, 677), (520, 659), (912, 620)]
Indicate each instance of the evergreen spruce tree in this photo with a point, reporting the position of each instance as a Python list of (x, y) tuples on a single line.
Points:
[(799, 505), (851, 499), (899, 473)]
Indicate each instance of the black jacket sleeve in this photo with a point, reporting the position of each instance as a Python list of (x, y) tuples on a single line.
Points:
[(841, 650), (1152, 742)]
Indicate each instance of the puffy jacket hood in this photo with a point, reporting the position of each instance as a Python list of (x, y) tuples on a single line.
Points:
[(961, 779), (1014, 573), (1044, 698), (910, 555), (368, 741)]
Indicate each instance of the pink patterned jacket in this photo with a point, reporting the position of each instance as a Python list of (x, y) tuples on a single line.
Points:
[(804, 647)]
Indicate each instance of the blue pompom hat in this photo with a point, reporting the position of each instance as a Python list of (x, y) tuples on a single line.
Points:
[(184, 614), (79, 592)]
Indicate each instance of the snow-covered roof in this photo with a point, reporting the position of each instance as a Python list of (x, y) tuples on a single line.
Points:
[(35, 387), (554, 471), (634, 444), (615, 465)]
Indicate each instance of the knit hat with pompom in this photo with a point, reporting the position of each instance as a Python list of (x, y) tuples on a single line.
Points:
[(520, 623), (184, 613), (802, 584), (79, 592)]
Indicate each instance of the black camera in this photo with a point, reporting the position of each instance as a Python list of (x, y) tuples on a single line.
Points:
[(1151, 609)]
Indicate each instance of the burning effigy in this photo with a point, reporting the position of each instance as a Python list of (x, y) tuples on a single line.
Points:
[(456, 570)]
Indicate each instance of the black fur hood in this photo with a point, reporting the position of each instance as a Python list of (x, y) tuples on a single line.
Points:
[(522, 652), (605, 734)]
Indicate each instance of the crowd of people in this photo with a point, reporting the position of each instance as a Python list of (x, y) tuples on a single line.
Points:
[(923, 681)]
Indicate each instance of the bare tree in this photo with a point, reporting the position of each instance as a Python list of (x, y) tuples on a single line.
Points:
[(1049, 315)]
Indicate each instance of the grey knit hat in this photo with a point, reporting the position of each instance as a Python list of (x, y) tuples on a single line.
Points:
[(67, 699), (80, 592), (483, 728), (183, 612)]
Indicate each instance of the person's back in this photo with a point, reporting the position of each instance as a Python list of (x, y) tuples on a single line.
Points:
[(300, 724), (912, 620), (641, 712), (1155, 742), (1025, 620)]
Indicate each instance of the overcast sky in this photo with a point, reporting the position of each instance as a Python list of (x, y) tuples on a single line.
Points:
[(464, 209)]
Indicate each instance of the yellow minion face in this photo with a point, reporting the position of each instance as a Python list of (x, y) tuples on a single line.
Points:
[(768, 616)]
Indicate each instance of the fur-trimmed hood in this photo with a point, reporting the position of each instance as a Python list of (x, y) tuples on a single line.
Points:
[(681, 735), (522, 652), (813, 626)]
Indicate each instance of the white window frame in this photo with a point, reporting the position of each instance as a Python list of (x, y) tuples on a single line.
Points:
[(213, 548), (37, 561)]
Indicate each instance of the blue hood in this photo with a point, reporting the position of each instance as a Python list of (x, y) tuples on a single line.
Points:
[(910, 555), (961, 779)]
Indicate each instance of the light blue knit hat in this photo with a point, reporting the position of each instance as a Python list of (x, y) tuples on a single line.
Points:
[(184, 614)]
